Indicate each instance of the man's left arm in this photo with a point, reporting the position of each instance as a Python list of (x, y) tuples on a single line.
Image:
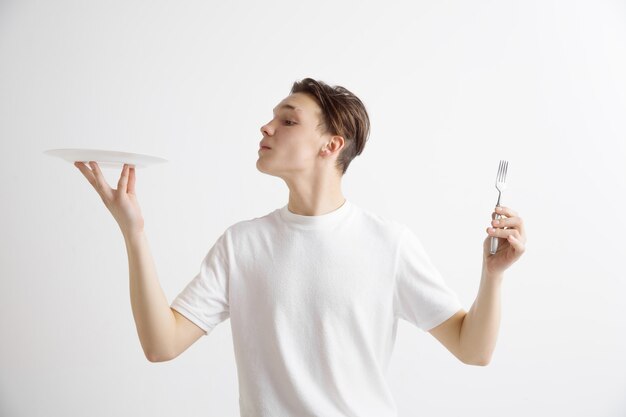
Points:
[(471, 336)]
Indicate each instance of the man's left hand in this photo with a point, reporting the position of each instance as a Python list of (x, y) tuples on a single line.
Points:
[(511, 236)]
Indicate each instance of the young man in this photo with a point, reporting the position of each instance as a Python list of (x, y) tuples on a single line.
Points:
[(314, 289)]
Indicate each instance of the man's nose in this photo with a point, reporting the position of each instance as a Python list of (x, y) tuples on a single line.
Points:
[(267, 129)]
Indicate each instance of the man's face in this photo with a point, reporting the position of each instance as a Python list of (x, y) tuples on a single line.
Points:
[(296, 140)]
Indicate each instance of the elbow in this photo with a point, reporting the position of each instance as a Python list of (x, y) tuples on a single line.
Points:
[(483, 362), (480, 361), (156, 357)]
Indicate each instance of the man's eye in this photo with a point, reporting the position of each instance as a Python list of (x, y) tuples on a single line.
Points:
[(289, 122)]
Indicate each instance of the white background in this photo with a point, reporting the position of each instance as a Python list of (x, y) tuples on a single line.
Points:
[(452, 87)]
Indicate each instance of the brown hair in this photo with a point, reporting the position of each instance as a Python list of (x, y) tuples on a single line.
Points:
[(343, 114)]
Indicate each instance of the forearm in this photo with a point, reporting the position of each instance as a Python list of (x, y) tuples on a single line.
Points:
[(479, 331), (154, 319)]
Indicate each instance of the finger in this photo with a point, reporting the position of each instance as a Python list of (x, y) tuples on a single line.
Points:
[(495, 215), (86, 172), (510, 222), (101, 182), (506, 211), (512, 218), (121, 184), (517, 244), (131, 180), (503, 233)]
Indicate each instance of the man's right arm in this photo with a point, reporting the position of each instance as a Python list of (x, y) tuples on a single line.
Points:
[(163, 332)]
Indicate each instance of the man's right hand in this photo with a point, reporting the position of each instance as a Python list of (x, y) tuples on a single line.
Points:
[(122, 202)]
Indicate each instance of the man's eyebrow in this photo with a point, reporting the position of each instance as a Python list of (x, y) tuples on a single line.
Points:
[(287, 106)]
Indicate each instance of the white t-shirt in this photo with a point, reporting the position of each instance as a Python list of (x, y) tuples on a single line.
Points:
[(314, 303)]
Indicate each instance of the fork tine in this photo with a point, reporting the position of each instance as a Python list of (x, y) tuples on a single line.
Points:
[(499, 176), (502, 171)]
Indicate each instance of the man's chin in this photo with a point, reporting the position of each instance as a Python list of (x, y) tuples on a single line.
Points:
[(260, 168)]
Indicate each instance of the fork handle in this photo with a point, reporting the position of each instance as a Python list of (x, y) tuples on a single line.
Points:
[(494, 240)]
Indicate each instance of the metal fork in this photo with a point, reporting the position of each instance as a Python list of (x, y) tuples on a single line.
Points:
[(500, 186)]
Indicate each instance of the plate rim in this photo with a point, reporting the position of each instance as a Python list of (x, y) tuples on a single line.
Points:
[(59, 152)]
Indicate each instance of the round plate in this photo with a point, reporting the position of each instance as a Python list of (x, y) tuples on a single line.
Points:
[(106, 159)]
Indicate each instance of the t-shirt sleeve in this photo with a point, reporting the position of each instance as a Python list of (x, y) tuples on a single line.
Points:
[(421, 297), (204, 300)]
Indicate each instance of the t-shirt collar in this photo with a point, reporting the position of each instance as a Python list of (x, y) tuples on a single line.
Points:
[(327, 220)]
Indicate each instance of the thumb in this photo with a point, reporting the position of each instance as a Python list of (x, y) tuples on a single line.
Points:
[(131, 180), (123, 182)]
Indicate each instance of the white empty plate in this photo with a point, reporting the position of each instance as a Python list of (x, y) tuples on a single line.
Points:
[(106, 159)]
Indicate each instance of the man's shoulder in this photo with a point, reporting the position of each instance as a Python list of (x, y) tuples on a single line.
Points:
[(260, 223), (380, 223)]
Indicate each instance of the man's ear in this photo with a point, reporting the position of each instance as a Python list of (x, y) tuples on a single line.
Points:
[(336, 143)]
